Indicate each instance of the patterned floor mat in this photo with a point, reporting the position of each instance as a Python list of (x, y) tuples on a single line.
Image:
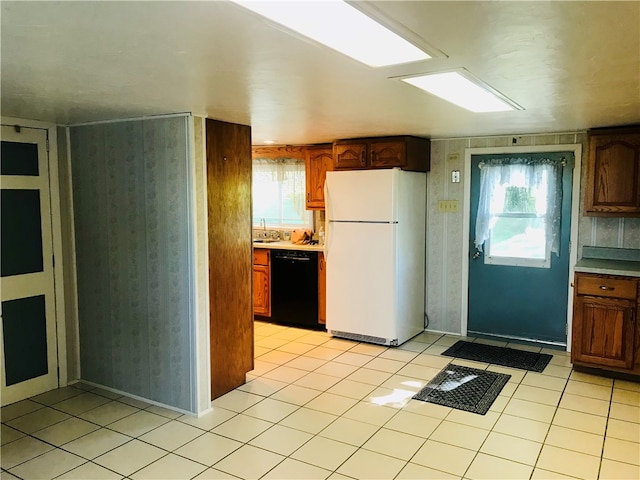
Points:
[(507, 357), (464, 388)]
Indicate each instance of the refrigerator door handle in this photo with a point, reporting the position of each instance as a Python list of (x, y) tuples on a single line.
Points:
[(327, 223)]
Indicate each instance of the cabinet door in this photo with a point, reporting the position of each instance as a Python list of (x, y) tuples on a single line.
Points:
[(261, 290), (387, 154), (322, 290), (318, 161), (613, 175), (603, 331), (349, 156)]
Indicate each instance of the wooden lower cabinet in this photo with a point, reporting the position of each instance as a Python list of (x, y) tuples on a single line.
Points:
[(322, 289), (261, 282), (605, 325)]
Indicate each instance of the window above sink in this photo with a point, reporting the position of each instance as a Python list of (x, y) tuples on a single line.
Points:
[(279, 191)]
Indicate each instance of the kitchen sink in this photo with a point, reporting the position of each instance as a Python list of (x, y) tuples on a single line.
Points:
[(265, 240)]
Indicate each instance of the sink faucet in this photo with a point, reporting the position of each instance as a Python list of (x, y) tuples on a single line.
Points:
[(264, 227)]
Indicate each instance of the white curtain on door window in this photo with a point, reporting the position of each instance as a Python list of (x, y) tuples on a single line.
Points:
[(541, 176)]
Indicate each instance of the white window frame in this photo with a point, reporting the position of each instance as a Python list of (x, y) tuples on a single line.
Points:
[(307, 217), (517, 261)]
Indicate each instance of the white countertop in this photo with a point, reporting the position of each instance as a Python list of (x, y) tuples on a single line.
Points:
[(287, 245)]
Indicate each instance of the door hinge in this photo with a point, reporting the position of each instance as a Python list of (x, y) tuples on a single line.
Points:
[(566, 329), (53, 260), (47, 144)]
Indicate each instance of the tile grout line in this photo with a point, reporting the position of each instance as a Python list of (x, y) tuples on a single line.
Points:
[(550, 424), (339, 379), (106, 427), (341, 416), (606, 426), (491, 430)]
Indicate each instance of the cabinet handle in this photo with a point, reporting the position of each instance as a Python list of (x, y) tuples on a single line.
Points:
[(308, 197), (604, 287)]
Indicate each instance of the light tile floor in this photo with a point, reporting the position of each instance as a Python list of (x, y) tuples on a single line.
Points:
[(318, 407)]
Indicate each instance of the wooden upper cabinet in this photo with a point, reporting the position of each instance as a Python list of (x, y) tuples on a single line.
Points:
[(387, 154), (406, 152), (350, 154), (318, 160), (613, 173)]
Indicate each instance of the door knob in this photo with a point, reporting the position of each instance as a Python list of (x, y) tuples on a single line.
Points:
[(476, 255)]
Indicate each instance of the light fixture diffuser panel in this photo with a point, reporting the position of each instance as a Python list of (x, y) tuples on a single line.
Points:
[(341, 27), (460, 90)]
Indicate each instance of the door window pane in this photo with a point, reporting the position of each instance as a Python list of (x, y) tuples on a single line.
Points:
[(519, 237), (21, 243), (517, 234), (25, 339), (19, 159)]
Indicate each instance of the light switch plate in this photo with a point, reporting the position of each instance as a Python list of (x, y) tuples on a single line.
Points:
[(448, 206)]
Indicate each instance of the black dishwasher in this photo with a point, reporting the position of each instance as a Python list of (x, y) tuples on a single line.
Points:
[(294, 288)]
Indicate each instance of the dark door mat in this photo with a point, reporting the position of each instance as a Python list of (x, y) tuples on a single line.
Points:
[(507, 357), (464, 388)]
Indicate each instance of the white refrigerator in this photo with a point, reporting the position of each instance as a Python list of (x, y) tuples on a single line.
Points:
[(375, 254)]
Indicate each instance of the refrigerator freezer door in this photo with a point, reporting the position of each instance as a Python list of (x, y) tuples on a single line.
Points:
[(361, 279), (361, 195)]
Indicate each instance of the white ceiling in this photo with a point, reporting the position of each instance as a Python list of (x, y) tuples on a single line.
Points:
[(571, 65)]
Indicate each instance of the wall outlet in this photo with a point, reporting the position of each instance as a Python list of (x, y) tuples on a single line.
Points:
[(448, 206)]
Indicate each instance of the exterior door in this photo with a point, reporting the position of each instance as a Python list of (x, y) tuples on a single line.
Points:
[(519, 296), (28, 333)]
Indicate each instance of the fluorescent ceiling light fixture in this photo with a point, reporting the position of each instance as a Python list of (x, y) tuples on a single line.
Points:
[(342, 27), (458, 88)]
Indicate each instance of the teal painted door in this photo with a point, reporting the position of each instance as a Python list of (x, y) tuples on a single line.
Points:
[(515, 299)]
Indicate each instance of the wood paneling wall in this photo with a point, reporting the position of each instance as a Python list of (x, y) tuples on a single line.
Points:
[(444, 231), (230, 254)]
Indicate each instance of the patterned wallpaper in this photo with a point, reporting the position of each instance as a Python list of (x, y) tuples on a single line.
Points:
[(132, 223), (444, 231)]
